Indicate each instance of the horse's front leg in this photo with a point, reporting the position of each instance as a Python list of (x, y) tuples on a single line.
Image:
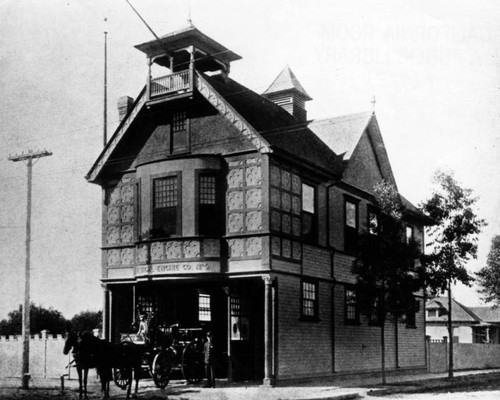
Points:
[(85, 378), (80, 383)]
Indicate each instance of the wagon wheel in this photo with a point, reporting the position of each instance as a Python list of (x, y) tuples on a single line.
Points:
[(122, 376), (192, 363), (160, 369)]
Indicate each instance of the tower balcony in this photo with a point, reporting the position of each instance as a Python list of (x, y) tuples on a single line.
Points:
[(172, 84)]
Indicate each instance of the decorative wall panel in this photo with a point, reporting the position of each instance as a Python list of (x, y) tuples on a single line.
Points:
[(235, 200), (253, 221), (254, 246), (254, 198), (120, 216), (173, 250), (191, 249), (244, 196)]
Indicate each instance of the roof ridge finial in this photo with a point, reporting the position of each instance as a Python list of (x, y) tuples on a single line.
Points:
[(190, 21), (374, 101)]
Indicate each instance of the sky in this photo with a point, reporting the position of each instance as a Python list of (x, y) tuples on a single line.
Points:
[(433, 67)]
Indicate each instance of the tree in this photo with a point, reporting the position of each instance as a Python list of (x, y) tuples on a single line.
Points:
[(489, 276), (453, 239), (40, 319), (387, 276), (87, 321)]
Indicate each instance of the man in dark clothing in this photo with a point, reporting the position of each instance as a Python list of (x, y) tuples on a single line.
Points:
[(208, 351)]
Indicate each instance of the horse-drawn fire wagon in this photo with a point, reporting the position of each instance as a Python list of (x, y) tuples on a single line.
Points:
[(168, 350)]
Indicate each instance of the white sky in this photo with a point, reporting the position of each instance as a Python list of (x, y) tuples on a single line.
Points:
[(433, 66)]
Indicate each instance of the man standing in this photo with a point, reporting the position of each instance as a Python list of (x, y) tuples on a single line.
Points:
[(208, 351)]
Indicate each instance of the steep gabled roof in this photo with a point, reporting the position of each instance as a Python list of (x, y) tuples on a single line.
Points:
[(342, 133), (276, 126), (286, 81)]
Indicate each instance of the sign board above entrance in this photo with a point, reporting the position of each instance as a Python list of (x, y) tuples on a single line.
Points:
[(178, 268)]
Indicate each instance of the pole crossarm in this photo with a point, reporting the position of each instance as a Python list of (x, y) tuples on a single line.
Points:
[(30, 155)]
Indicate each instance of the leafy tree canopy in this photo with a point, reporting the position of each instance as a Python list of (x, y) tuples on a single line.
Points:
[(87, 321), (453, 238), (387, 275), (40, 319), (489, 276)]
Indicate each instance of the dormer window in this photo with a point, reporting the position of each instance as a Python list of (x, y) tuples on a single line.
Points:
[(179, 133)]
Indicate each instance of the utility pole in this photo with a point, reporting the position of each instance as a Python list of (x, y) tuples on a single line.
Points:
[(29, 157)]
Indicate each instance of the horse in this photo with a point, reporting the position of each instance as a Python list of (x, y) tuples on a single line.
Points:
[(104, 356), (82, 357)]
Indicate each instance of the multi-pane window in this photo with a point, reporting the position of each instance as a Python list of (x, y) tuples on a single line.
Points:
[(179, 133), (209, 221), (351, 226), (309, 299), (165, 205), (204, 310), (351, 306), (309, 217)]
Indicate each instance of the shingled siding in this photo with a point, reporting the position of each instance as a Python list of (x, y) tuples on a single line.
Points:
[(304, 349), (342, 267), (357, 347), (411, 346), (317, 262)]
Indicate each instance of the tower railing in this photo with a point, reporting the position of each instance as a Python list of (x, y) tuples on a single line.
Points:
[(171, 83)]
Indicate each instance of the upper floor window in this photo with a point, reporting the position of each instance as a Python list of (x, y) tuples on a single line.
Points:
[(432, 313), (179, 133), (309, 216), (309, 299), (351, 226), (409, 236), (166, 206), (208, 211), (351, 306)]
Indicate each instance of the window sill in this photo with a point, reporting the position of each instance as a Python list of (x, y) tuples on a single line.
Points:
[(411, 326)]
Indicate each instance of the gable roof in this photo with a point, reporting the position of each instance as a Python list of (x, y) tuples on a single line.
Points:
[(267, 126), (275, 125), (285, 81), (459, 312), (342, 133)]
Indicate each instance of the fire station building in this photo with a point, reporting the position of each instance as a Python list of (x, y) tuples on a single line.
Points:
[(228, 210)]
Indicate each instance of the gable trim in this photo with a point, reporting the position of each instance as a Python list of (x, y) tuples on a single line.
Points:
[(225, 109), (117, 137)]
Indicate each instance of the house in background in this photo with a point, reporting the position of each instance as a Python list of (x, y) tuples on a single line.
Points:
[(228, 210), (470, 324)]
